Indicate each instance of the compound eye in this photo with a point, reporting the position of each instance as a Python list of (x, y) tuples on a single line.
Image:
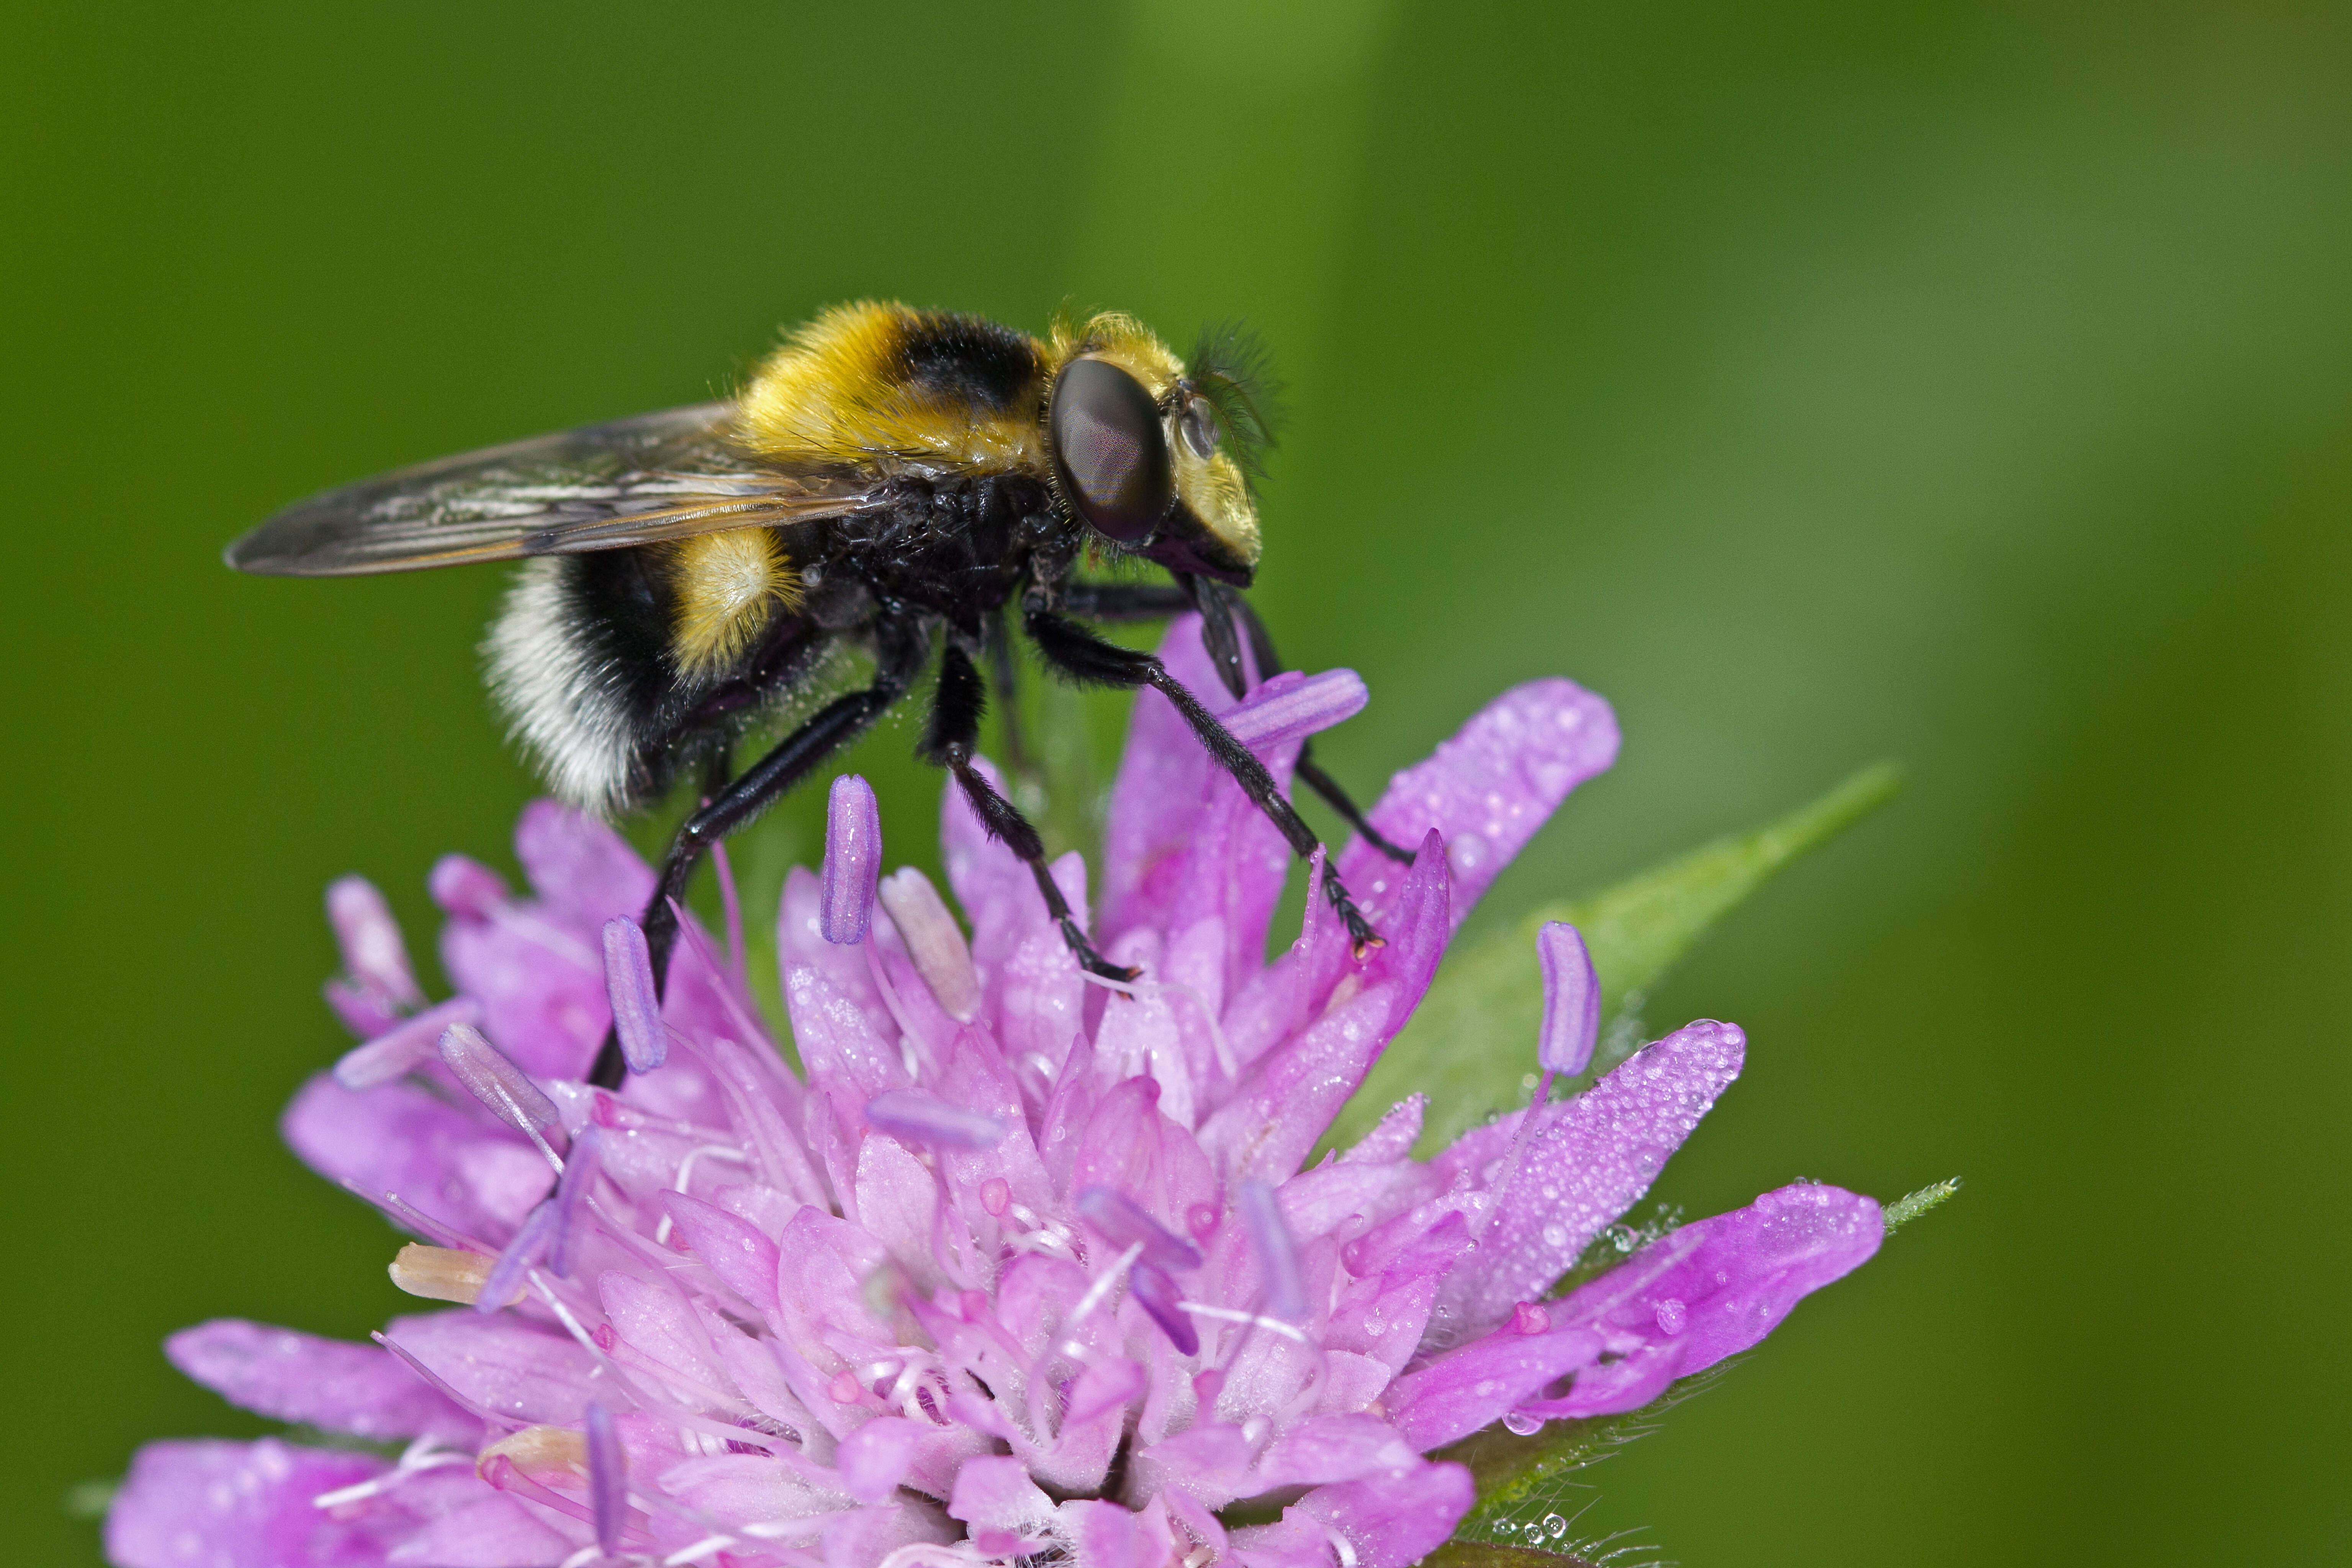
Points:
[(1110, 450), (1199, 425)]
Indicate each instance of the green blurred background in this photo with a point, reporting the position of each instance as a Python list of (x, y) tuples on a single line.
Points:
[(1968, 385)]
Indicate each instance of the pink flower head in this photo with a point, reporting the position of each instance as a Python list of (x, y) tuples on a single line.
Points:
[(1015, 1266)]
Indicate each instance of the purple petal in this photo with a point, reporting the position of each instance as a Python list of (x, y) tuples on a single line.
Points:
[(637, 1005), (922, 1118), (875, 1458), (1571, 1021), (541, 989), (324, 1383), (205, 1504), (1290, 1094), (1472, 1387), (608, 1481), (933, 940), (502, 1365), (852, 859), (1107, 1535), (491, 1532), (730, 1246), (1717, 1286), (1124, 1224), (498, 1083), (584, 870), (1327, 1448), (1275, 1251), (1157, 1294), (399, 1139), (1395, 1519), (1487, 789), (1588, 1160), (373, 954), (994, 1492), (405, 1046)]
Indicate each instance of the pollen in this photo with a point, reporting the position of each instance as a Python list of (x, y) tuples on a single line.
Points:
[(441, 1273), (728, 584), (544, 1454)]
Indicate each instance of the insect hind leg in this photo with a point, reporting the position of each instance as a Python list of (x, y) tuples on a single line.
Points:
[(953, 736), (791, 760)]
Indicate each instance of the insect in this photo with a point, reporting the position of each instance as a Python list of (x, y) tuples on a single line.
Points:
[(893, 480)]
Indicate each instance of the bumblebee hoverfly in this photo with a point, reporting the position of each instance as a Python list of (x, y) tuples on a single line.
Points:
[(890, 480)]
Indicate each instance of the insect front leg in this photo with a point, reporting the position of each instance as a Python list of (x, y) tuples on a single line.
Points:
[(1220, 607), (793, 759), (1082, 656), (1310, 772), (953, 735)]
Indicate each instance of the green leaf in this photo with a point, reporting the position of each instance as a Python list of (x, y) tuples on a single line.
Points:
[(1471, 1046), (1906, 1209), (1486, 1555)]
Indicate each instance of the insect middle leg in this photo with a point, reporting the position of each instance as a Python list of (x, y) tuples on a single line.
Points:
[(953, 736), (1220, 608), (1082, 656), (833, 727)]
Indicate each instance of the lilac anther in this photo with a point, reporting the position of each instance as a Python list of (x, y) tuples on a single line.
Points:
[(1124, 1224), (1571, 1017), (1158, 1295), (494, 1080), (853, 861), (922, 1118), (463, 885), (1275, 1251), (1291, 706), (373, 955), (636, 1006), (581, 1163), (608, 1479), (529, 1245)]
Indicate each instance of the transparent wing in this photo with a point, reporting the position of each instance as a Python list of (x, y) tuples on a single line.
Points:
[(628, 482)]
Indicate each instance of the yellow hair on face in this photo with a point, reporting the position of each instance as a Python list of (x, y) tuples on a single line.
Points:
[(1211, 487), (1120, 338), (727, 585)]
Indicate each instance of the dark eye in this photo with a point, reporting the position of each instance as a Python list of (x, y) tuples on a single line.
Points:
[(1109, 451), (1199, 425)]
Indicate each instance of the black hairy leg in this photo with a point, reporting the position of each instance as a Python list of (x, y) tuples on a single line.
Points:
[(793, 759), (1220, 609), (1082, 656), (953, 735), (1002, 674)]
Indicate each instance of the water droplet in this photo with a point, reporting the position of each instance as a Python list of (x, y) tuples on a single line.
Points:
[(1555, 1526), (1555, 1236), (1671, 1314), (1525, 1426)]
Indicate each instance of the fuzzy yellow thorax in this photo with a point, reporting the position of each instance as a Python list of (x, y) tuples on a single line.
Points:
[(836, 393)]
